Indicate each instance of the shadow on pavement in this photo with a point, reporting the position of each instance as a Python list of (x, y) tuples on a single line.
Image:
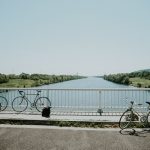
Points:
[(133, 132)]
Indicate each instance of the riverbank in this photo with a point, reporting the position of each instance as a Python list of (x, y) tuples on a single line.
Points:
[(138, 82), (34, 80), (140, 79)]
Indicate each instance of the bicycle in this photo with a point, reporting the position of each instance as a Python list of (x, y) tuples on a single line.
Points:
[(20, 103), (131, 115), (3, 103)]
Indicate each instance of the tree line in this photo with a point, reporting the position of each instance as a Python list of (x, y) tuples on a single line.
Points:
[(141, 74), (121, 78), (40, 78), (124, 78)]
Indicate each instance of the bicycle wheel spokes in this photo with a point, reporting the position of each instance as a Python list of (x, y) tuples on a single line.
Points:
[(19, 104), (125, 119), (42, 102), (144, 121), (3, 103)]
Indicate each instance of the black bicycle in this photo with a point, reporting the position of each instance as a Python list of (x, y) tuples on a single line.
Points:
[(20, 103)]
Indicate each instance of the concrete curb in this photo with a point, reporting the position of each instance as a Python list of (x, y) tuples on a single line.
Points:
[(57, 127), (61, 123)]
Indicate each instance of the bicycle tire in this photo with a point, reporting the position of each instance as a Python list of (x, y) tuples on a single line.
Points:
[(125, 119), (3, 103), (19, 101), (148, 119), (42, 102)]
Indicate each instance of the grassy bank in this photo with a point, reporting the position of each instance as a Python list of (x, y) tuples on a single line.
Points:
[(138, 82), (26, 81), (136, 79), (18, 83)]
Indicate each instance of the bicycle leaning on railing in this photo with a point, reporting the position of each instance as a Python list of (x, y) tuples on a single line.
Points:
[(131, 115), (20, 103), (3, 103)]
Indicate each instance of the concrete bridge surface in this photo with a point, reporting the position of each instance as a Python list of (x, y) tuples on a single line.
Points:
[(33, 137)]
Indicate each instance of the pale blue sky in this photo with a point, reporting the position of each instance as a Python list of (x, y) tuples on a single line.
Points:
[(89, 37)]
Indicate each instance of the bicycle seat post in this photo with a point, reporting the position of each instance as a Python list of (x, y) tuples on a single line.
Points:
[(132, 102), (131, 106)]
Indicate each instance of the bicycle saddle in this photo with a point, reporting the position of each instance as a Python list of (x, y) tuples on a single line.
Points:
[(148, 103)]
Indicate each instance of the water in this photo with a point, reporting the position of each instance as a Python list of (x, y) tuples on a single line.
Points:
[(90, 82)]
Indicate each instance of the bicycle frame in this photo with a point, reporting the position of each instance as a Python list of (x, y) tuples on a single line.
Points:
[(27, 99)]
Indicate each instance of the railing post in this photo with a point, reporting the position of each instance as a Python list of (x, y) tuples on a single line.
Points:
[(99, 98), (47, 93), (100, 111)]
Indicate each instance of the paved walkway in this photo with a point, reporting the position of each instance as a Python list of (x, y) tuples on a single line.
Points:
[(25, 137)]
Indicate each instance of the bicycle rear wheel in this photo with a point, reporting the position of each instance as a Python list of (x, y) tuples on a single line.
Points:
[(42, 102), (3, 103), (125, 119), (19, 104)]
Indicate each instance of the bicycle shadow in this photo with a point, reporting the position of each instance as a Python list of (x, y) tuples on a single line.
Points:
[(133, 132)]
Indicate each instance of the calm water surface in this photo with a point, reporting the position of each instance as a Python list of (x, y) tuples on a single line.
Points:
[(90, 82)]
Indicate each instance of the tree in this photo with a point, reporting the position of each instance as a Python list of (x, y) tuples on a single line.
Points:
[(3, 78), (24, 76), (126, 80)]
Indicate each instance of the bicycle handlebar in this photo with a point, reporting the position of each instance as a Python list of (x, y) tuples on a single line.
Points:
[(133, 102), (21, 93), (38, 91)]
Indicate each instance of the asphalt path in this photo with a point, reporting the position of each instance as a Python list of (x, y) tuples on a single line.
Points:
[(25, 137)]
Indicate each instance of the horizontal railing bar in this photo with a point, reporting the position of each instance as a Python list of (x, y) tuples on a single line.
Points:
[(75, 106), (88, 89)]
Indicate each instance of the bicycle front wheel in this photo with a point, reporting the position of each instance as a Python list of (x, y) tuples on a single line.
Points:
[(42, 102), (125, 119), (148, 119), (19, 104), (3, 103)]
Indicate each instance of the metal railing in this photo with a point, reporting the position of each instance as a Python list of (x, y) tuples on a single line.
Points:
[(92, 102)]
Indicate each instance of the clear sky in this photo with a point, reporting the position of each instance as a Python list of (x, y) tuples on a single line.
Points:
[(88, 37)]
